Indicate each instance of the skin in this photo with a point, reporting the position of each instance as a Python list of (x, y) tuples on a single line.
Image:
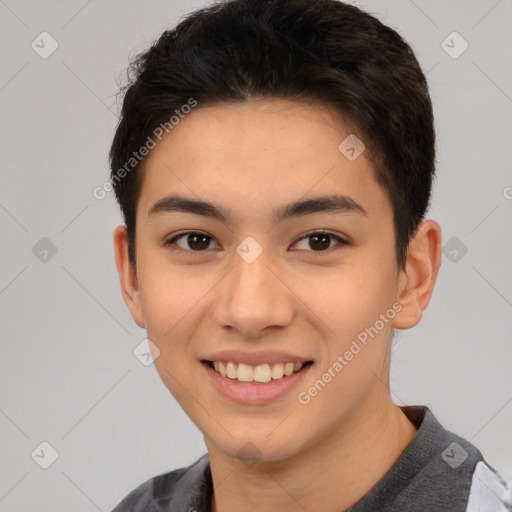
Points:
[(251, 158)]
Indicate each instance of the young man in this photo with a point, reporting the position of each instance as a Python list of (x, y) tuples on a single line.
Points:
[(273, 164)]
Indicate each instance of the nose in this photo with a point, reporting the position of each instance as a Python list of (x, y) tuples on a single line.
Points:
[(253, 298)]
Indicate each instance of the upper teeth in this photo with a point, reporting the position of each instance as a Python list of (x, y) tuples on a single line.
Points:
[(261, 373)]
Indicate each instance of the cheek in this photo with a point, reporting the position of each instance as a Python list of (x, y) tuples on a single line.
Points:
[(168, 294), (172, 303), (349, 299), (169, 304)]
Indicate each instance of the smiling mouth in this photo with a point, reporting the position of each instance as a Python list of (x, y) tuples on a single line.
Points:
[(260, 374)]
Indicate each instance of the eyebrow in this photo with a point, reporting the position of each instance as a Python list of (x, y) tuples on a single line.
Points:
[(336, 203)]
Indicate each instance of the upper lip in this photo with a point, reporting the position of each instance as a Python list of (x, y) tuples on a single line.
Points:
[(255, 358)]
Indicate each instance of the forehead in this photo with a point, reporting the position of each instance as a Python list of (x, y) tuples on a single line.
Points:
[(256, 153)]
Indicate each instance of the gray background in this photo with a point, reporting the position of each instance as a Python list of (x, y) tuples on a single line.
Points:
[(68, 373)]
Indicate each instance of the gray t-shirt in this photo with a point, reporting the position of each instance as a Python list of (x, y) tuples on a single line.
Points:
[(438, 471)]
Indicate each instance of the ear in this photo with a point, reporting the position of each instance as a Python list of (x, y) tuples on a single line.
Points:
[(417, 278), (127, 275)]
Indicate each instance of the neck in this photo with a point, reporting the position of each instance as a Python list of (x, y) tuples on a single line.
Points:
[(341, 468)]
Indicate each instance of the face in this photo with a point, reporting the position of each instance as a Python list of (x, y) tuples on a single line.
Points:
[(294, 263)]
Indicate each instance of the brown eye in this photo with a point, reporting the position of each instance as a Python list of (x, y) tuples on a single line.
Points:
[(319, 242), (191, 241)]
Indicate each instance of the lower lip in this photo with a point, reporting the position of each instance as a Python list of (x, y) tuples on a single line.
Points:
[(246, 393)]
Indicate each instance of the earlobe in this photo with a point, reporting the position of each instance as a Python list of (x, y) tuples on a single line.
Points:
[(418, 277), (127, 275)]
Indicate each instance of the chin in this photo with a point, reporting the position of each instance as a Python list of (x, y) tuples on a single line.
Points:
[(260, 449)]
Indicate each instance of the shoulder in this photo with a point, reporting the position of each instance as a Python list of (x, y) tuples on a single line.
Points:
[(439, 470), (453, 472), (488, 490), (180, 488)]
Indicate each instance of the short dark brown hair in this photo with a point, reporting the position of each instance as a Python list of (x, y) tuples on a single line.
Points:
[(322, 51)]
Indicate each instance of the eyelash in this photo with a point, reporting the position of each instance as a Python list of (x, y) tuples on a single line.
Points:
[(172, 242)]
